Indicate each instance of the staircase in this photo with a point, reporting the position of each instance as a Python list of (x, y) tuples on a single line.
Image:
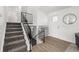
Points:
[(14, 38)]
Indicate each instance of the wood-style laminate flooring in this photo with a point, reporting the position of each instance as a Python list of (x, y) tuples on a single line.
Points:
[(51, 45)]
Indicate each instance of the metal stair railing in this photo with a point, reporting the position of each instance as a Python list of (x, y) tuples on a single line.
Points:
[(28, 29), (28, 32)]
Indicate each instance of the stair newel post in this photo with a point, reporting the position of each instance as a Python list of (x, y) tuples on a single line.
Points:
[(30, 46)]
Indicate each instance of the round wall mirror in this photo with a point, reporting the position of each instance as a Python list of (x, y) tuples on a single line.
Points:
[(69, 18)]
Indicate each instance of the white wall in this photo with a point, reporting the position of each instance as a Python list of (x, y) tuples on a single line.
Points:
[(59, 29), (42, 18), (39, 17), (13, 13), (2, 27)]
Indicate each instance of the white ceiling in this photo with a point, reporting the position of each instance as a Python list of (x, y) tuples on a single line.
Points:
[(46, 9), (49, 9)]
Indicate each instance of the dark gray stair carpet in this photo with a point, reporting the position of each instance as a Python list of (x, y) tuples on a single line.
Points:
[(14, 38)]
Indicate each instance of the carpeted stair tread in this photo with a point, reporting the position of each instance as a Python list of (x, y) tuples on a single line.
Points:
[(14, 36), (14, 32), (15, 42), (18, 49), (9, 34), (13, 29)]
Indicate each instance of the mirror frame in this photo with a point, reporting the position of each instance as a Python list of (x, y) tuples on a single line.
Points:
[(67, 15)]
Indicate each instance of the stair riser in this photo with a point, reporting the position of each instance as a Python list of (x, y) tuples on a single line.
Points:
[(13, 23), (11, 30), (22, 50), (13, 46), (13, 26), (13, 34), (13, 39)]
